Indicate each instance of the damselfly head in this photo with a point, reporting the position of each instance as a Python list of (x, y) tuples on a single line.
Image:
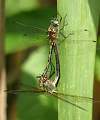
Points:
[(55, 22), (46, 84)]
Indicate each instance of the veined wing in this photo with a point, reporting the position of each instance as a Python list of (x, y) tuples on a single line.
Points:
[(26, 32), (76, 39), (78, 34), (33, 28), (37, 33), (79, 47), (67, 101), (29, 88), (62, 97), (33, 90), (25, 88), (77, 98)]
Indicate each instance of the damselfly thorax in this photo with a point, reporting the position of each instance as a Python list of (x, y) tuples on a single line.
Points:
[(53, 31)]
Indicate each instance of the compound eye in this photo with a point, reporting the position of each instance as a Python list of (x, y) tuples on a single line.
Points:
[(55, 24)]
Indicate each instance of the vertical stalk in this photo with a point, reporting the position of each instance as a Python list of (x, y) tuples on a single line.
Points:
[(2, 66), (77, 56)]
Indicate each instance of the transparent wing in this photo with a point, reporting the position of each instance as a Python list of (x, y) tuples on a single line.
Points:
[(67, 101), (29, 88), (77, 34), (79, 47), (39, 35), (76, 39), (32, 91), (71, 99), (24, 88), (32, 28), (27, 32), (74, 100), (77, 98)]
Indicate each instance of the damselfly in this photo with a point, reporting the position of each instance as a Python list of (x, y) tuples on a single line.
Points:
[(38, 34), (47, 88)]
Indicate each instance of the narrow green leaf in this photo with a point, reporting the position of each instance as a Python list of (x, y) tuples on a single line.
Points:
[(77, 58)]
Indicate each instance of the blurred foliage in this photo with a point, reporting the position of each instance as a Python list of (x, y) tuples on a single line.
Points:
[(35, 106), (17, 6), (97, 68), (19, 38), (97, 65)]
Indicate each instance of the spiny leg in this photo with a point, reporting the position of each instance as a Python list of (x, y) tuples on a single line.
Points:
[(64, 37), (63, 23), (58, 14)]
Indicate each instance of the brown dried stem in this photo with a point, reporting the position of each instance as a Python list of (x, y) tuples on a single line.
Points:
[(2, 64)]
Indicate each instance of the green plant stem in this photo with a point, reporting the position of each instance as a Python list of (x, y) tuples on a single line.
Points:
[(77, 57)]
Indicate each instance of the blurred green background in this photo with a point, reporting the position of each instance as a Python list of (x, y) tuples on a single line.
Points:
[(27, 53)]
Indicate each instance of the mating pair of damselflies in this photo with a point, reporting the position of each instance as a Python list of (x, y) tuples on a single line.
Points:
[(46, 85)]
